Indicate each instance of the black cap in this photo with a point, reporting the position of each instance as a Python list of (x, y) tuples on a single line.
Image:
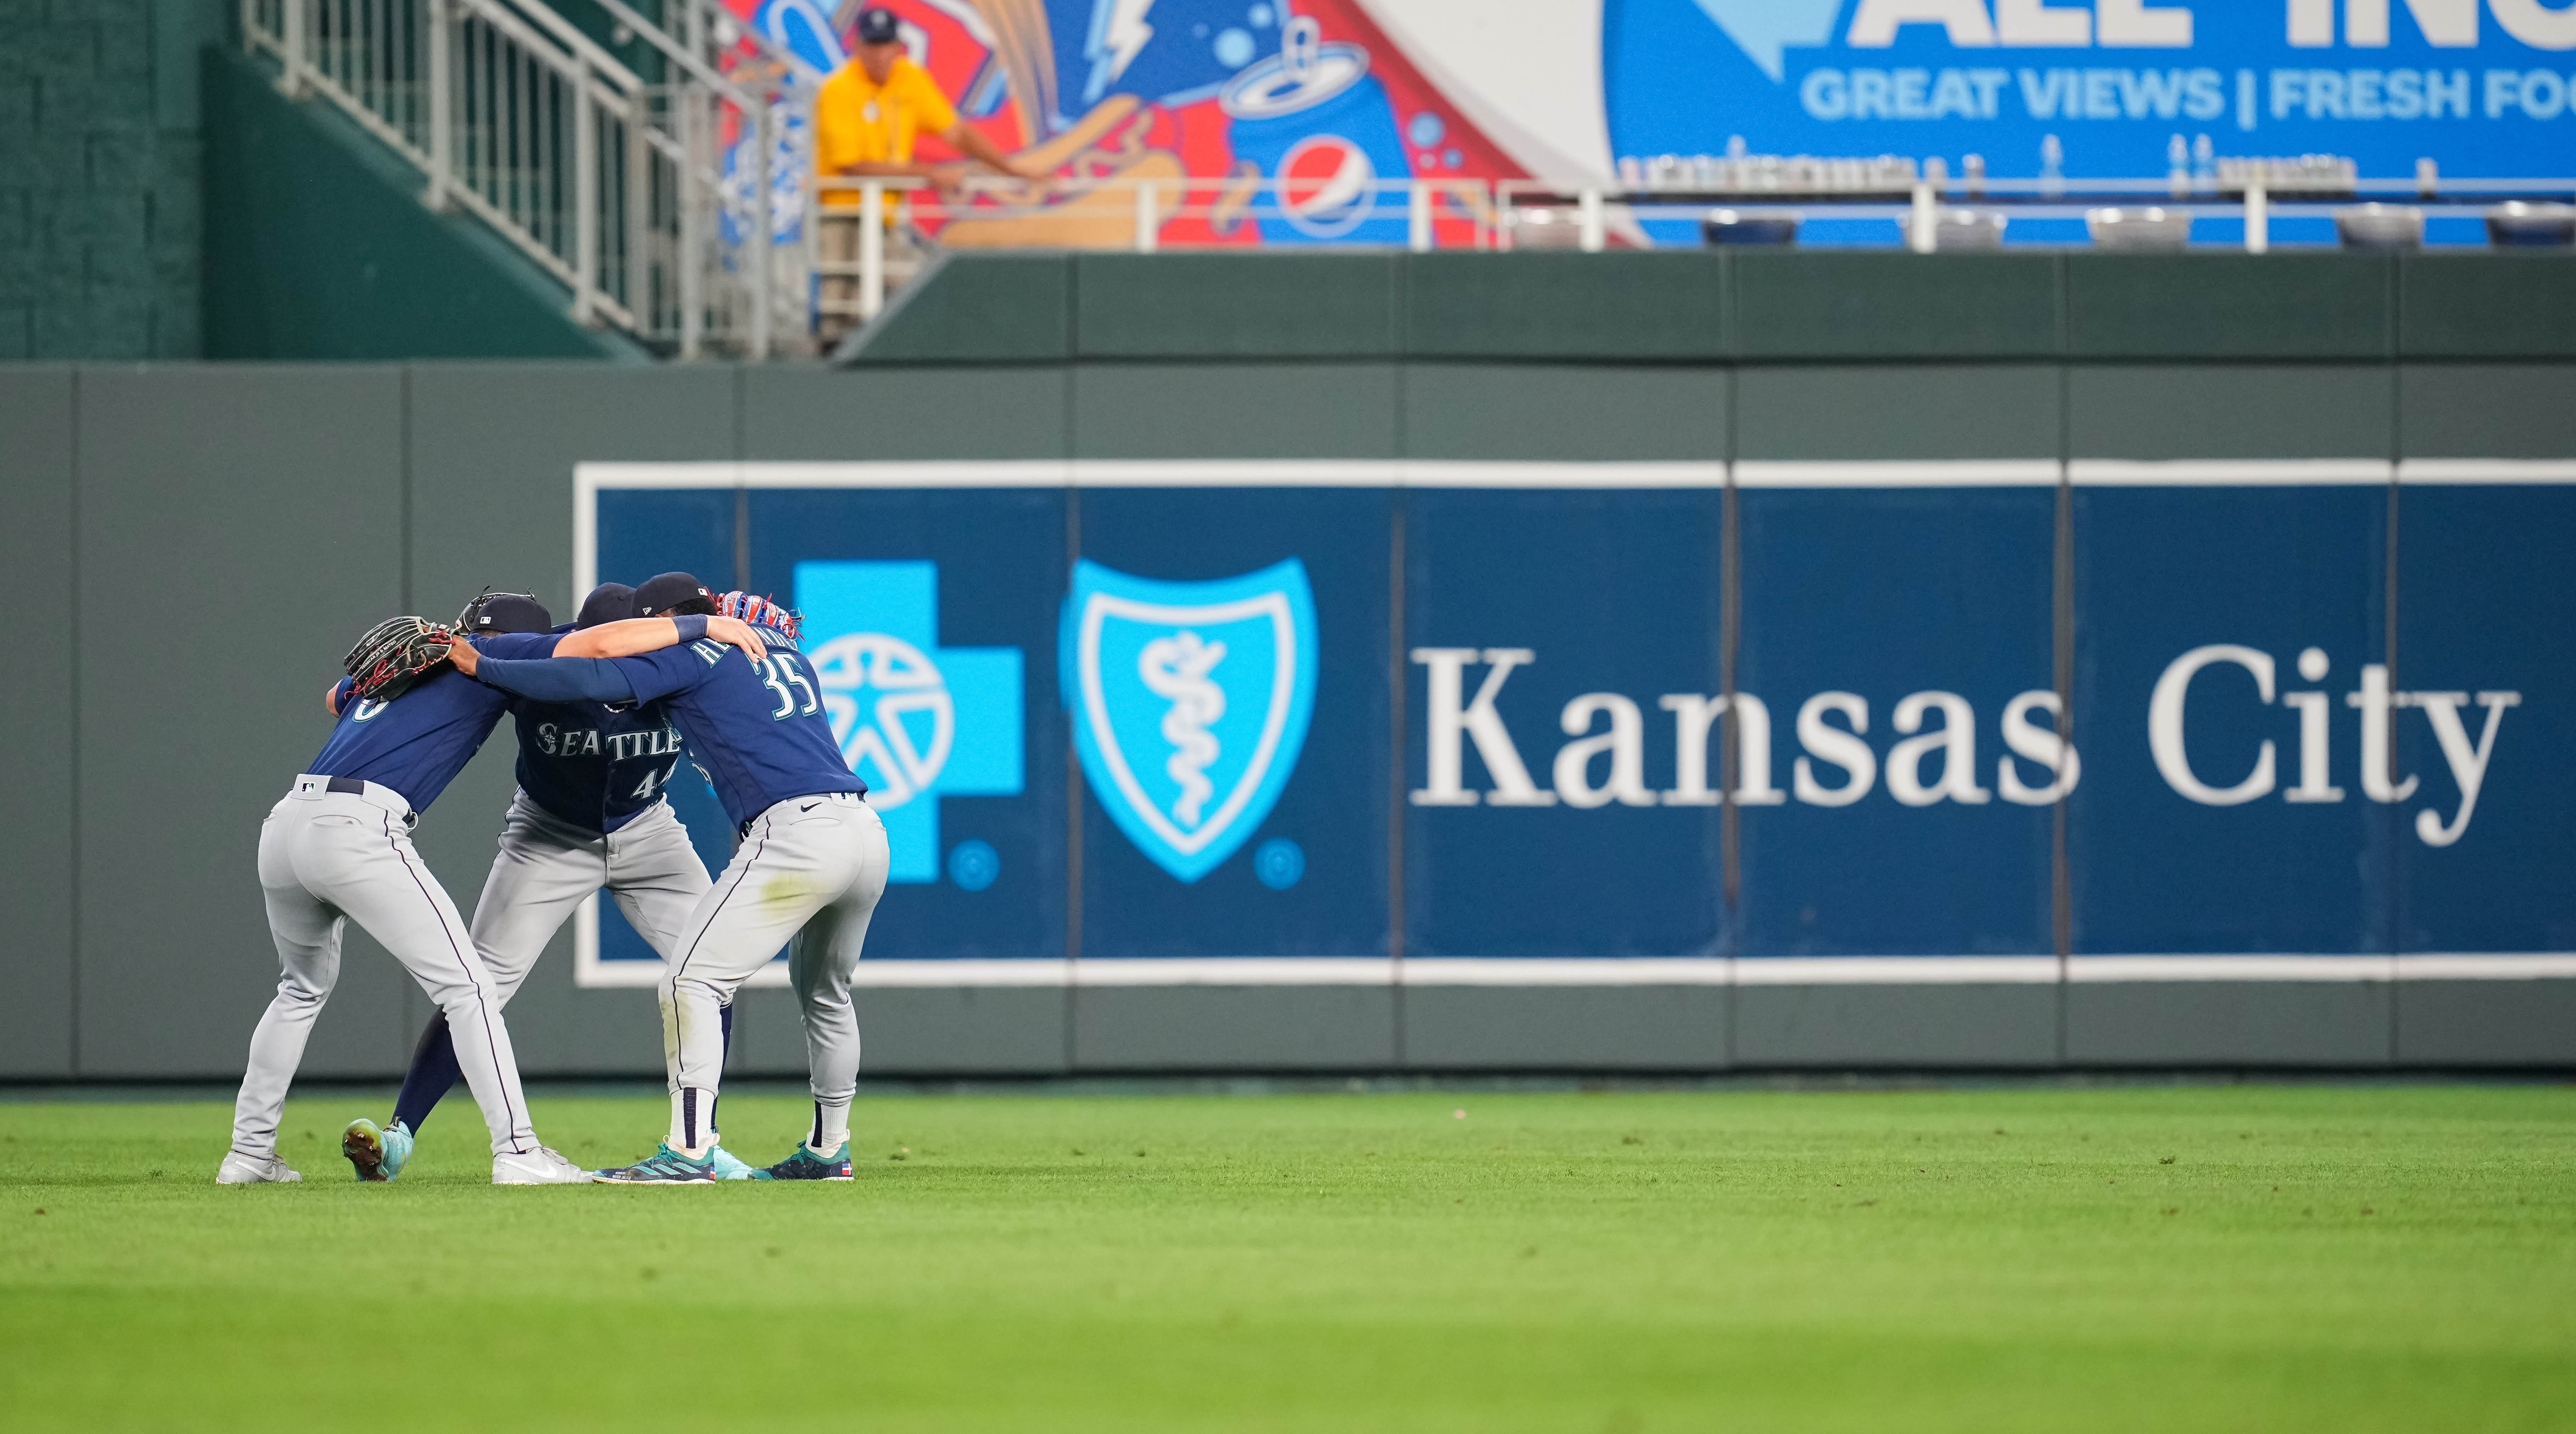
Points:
[(878, 26), (671, 594), (608, 602), (508, 612)]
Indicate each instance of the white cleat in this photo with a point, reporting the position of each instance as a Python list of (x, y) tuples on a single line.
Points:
[(541, 1166), (240, 1169)]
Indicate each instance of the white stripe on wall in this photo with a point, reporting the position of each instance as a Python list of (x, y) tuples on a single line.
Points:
[(2486, 470), (1531, 974), (1235, 473), (1437, 473), (590, 478), (1895, 970), (2229, 473), (1442, 473), (1612, 971), (2486, 966), (2090, 969), (1976, 473)]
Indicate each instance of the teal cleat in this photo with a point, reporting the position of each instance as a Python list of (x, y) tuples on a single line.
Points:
[(664, 1166), (806, 1165), (398, 1140), (729, 1166), (378, 1155)]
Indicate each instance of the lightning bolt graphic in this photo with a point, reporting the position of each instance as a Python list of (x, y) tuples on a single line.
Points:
[(1121, 34)]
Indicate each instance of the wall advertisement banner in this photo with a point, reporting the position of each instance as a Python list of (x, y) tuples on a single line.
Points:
[(2479, 86), (1251, 724), (1293, 109)]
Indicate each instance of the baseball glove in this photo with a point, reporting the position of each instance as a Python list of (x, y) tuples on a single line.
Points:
[(761, 612), (393, 655)]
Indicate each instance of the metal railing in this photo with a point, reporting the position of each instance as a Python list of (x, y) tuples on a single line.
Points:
[(1584, 217), (617, 179), (1145, 215), (1149, 215)]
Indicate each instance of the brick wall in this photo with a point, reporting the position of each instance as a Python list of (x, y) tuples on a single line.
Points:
[(99, 189)]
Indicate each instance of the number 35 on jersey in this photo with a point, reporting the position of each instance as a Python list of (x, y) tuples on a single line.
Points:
[(783, 672)]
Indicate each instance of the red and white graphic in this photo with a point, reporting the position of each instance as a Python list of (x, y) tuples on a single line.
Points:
[(1257, 121), (1325, 186)]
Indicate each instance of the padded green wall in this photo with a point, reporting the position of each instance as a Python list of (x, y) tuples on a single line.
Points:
[(1686, 306), (282, 505)]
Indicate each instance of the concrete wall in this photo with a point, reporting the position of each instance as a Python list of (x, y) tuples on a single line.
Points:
[(160, 200), (317, 245), (239, 524), (99, 196)]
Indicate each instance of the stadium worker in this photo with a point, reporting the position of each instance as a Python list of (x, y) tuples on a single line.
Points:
[(866, 118), (589, 812), (811, 865), (339, 846)]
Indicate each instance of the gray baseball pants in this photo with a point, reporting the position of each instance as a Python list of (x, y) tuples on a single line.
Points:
[(547, 867), (810, 869), (326, 857)]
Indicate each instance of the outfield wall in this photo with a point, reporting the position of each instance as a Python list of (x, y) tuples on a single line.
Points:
[(240, 523)]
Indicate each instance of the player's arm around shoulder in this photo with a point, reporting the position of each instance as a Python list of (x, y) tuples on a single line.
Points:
[(576, 666), (467, 653), (636, 636)]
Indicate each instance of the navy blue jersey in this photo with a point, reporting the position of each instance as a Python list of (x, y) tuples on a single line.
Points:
[(418, 742), (759, 730), (592, 765)]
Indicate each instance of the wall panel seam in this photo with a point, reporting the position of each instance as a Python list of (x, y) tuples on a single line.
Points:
[(1730, 615), (2061, 894), (2396, 455), (402, 442), (77, 607), (1073, 812)]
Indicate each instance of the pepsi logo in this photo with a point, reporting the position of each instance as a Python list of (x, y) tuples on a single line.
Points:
[(1326, 186)]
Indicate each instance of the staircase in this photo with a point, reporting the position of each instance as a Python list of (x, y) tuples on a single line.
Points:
[(635, 180)]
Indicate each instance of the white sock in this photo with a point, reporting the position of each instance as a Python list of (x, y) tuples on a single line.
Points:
[(831, 1125), (692, 1121)]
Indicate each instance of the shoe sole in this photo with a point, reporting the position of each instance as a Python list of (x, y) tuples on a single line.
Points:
[(613, 1180), (365, 1151)]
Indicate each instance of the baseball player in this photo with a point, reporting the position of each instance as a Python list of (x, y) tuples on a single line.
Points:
[(589, 812), (339, 846), (811, 864)]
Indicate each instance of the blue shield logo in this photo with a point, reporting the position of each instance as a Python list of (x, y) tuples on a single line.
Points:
[(1190, 703)]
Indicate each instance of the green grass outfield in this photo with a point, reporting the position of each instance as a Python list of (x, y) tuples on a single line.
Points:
[(2267, 1257)]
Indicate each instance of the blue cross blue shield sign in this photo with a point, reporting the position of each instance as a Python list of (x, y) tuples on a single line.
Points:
[(1190, 702)]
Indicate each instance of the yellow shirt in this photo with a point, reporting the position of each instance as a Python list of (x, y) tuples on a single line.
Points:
[(857, 121)]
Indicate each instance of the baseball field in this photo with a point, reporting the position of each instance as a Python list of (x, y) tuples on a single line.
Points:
[(2256, 1257)]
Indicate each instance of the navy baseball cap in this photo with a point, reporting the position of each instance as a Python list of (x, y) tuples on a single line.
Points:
[(673, 593), (508, 612), (878, 26), (608, 602)]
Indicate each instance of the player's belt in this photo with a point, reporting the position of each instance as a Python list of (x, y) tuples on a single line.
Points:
[(847, 799), (309, 785)]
